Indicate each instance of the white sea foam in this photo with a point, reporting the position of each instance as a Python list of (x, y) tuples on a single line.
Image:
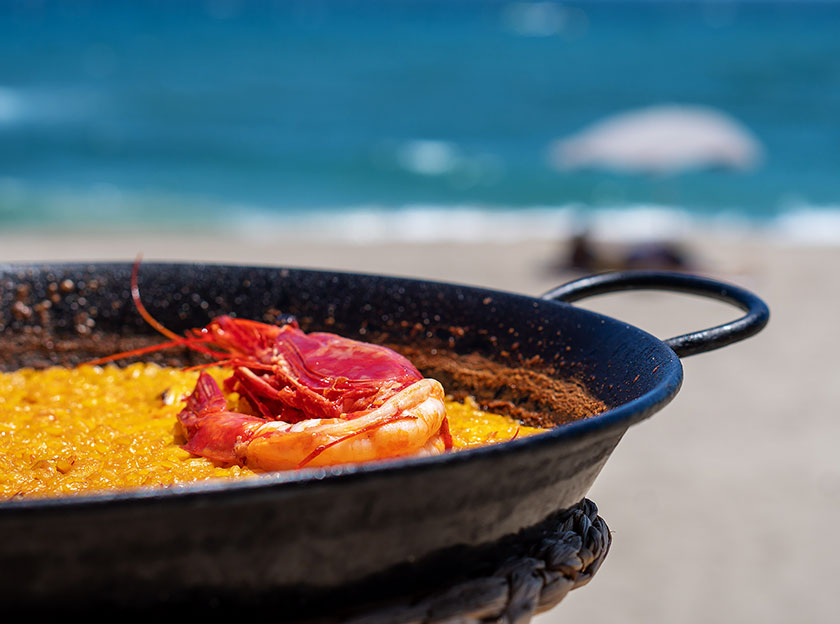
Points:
[(430, 157), (818, 226), (544, 19), (427, 157), (107, 207), (11, 105), (54, 105), (535, 19), (626, 224), (809, 225)]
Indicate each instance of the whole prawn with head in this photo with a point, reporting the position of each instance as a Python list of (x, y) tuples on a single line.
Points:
[(316, 399)]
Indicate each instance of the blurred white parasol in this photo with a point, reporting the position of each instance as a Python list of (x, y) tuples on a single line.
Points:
[(660, 140)]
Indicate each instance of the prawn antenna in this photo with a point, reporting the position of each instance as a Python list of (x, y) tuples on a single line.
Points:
[(175, 339), (135, 295)]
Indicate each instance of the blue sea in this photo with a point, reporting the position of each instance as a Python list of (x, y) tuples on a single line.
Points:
[(374, 119)]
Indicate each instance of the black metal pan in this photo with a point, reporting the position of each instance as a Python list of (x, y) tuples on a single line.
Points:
[(282, 541)]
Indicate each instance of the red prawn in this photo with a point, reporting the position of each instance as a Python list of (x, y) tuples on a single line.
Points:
[(319, 398)]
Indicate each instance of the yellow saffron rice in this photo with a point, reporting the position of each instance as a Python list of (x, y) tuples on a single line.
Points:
[(68, 431)]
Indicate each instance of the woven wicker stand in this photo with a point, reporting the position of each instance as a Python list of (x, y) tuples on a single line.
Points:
[(566, 557)]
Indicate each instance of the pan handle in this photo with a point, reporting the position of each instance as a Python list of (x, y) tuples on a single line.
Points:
[(688, 344)]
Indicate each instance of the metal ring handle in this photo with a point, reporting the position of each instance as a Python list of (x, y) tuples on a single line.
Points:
[(688, 344)]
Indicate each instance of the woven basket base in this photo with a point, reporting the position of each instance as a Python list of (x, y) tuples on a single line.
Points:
[(566, 557)]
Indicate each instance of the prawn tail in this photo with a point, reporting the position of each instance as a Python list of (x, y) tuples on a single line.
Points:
[(207, 397), (211, 430)]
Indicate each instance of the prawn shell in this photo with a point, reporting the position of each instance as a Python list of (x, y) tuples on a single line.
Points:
[(409, 423)]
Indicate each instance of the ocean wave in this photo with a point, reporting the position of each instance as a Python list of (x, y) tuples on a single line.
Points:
[(809, 224), (465, 224), (11, 105), (104, 207), (38, 105)]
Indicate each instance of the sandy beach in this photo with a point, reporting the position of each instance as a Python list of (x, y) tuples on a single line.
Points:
[(723, 506)]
